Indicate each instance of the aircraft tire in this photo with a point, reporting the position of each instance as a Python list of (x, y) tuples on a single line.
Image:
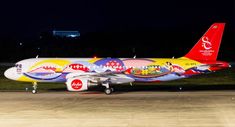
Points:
[(34, 91), (108, 91)]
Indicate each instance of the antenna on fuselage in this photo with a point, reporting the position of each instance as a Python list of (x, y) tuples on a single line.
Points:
[(37, 56), (131, 84), (133, 51), (134, 56)]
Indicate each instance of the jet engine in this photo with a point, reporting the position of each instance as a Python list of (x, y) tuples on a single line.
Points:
[(79, 84)]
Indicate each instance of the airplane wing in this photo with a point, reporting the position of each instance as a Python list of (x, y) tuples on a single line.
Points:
[(110, 77)]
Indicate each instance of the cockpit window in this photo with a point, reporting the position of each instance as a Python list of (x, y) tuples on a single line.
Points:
[(18, 68)]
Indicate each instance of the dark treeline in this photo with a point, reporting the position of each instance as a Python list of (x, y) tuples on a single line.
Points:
[(142, 43)]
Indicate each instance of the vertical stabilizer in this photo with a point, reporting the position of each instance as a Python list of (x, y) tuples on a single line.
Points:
[(207, 48)]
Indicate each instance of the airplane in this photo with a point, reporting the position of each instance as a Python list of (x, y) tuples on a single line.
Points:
[(81, 74)]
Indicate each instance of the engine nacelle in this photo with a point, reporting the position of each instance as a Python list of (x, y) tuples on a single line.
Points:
[(79, 84)]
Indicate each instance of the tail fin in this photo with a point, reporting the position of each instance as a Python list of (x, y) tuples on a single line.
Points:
[(207, 48)]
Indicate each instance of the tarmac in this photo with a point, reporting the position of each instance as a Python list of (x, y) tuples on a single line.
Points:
[(127, 109)]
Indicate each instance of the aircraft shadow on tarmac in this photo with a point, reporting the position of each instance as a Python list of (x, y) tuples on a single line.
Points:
[(158, 88)]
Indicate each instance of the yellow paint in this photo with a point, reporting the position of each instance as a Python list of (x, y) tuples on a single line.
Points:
[(26, 79), (59, 66), (144, 72), (185, 63), (61, 63), (94, 60)]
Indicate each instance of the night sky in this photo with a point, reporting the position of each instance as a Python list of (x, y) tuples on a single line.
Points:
[(170, 24)]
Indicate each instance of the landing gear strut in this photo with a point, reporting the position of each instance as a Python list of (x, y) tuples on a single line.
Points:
[(35, 85), (107, 90)]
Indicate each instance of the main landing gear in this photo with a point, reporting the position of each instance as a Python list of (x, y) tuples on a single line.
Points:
[(35, 85), (108, 90)]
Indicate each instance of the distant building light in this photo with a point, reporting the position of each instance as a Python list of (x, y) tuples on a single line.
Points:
[(72, 35), (69, 34)]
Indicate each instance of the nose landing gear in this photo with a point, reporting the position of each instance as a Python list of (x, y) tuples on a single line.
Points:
[(35, 85)]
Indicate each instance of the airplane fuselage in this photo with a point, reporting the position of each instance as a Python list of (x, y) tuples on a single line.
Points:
[(139, 69)]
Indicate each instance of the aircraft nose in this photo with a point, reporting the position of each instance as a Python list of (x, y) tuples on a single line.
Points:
[(11, 74)]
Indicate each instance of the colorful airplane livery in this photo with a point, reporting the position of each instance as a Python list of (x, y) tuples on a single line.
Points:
[(80, 74)]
